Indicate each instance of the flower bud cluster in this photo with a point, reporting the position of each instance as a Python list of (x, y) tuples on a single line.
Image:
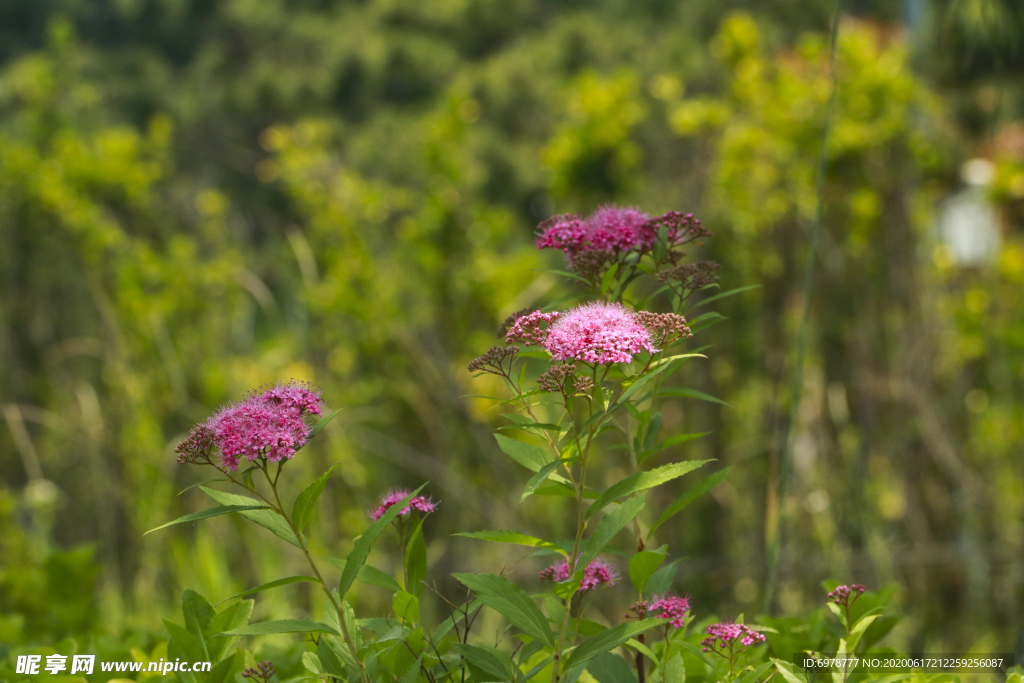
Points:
[(845, 595), (724, 634), (263, 671)]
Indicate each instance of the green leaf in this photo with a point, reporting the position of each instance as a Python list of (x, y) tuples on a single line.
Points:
[(406, 607), (328, 659), (501, 536), (510, 601), (413, 672), (266, 628), (542, 475), (487, 659), (787, 671), (529, 456), (448, 624), (653, 427), (416, 561), (311, 663), (306, 502), (606, 529), (680, 438), (661, 580), (322, 422), (609, 640), (692, 393), (209, 512), (722, 295), (642, 565), (197, 611), (357, 556), (675, 670), (200, 483), (268, 519), (234, 616), (370, 575), (608, 667), (641, 481), (271, 584), (192, 646), (522, 422), (863, 624), (690, 495)]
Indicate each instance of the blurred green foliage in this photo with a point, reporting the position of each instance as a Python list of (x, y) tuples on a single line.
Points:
[(198, 197)]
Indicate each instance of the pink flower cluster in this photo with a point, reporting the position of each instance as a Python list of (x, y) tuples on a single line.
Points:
[(598, 333), (598, 573), (394, 496), (724, 634), (266, 424), (841, 594), (527, 328), (608, 228), (613, 229), (672, 607)]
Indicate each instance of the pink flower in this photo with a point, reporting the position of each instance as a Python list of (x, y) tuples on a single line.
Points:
[(420, 503), (616, 230), (266, 424), (671, 607), (598, 333), (527, 328), (598, 573), (724, 634)]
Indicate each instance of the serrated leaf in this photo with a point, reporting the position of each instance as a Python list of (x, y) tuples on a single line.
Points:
[(609, 640), (787, 671), (675, 670), (306, 501), (406, 607), (185, 639), (511, 601), (641, 481), (268, 519), (322, 422), (690, 495), (540, 477), (502, 536), (487, 659), (529, 456), (266, 628), (642, 566), (209, 512), (228, 618), (271, 584), (357, 556), (611, 524)]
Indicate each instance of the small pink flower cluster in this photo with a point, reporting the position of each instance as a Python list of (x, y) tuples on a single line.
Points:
[(598, 573), (723, 634), (598, 333), (394, 496), (672, 607), (841, 594), (527, 328), (613, 229), (266, 424)]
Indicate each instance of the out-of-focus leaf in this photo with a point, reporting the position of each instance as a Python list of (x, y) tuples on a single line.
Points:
[(305, 503)]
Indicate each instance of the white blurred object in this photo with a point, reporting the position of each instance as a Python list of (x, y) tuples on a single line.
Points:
[(968, 224)]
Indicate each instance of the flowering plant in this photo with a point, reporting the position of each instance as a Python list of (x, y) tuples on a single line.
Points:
[(586, 382)]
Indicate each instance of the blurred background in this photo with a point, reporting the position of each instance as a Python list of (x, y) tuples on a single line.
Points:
[(197, 197)]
